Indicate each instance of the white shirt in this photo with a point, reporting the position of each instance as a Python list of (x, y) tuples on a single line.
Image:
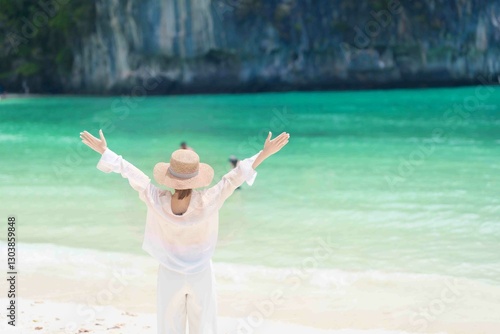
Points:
[(183, 243)]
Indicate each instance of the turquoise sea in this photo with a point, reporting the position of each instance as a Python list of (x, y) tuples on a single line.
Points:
[(402, 181)]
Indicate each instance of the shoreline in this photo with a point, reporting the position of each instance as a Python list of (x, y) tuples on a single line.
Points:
[(340, 87), (323, 302)]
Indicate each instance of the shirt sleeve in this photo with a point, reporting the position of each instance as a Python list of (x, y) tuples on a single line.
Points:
[(111, 162), (243, 172)]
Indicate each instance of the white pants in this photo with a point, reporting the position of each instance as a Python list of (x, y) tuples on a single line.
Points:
[(190, 296)]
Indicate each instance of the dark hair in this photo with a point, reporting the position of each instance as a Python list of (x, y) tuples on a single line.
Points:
[(183, 143), (183, 192)]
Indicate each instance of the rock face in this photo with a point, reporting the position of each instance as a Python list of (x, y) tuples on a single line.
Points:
[(133, 36), (168, 46)]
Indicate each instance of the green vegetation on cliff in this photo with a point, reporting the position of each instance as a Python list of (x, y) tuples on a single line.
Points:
[(37, 39)]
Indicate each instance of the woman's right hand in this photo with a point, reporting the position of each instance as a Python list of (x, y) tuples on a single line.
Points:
[(94, 143), (271, 147)]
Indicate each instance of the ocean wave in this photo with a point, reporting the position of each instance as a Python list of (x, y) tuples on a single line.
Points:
[(319, 278), (48, 257), (12, 138)]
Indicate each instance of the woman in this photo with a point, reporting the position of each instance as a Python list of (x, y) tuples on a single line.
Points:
[(181, 228)]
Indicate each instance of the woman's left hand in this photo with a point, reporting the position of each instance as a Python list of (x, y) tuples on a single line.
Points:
[(94, 143)]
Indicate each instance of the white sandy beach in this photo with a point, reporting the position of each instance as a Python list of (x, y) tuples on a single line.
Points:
[(66, 290), (56, 317)]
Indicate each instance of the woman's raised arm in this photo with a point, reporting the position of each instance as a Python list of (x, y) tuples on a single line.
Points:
[(112, 162), (244, 171)]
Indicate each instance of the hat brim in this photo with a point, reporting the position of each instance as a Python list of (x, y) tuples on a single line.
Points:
[(203, 179)]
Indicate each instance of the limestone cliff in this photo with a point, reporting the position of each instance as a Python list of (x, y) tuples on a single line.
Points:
[(248, 45)]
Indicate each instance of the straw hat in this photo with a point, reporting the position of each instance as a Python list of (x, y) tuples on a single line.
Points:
[(184, 171)]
